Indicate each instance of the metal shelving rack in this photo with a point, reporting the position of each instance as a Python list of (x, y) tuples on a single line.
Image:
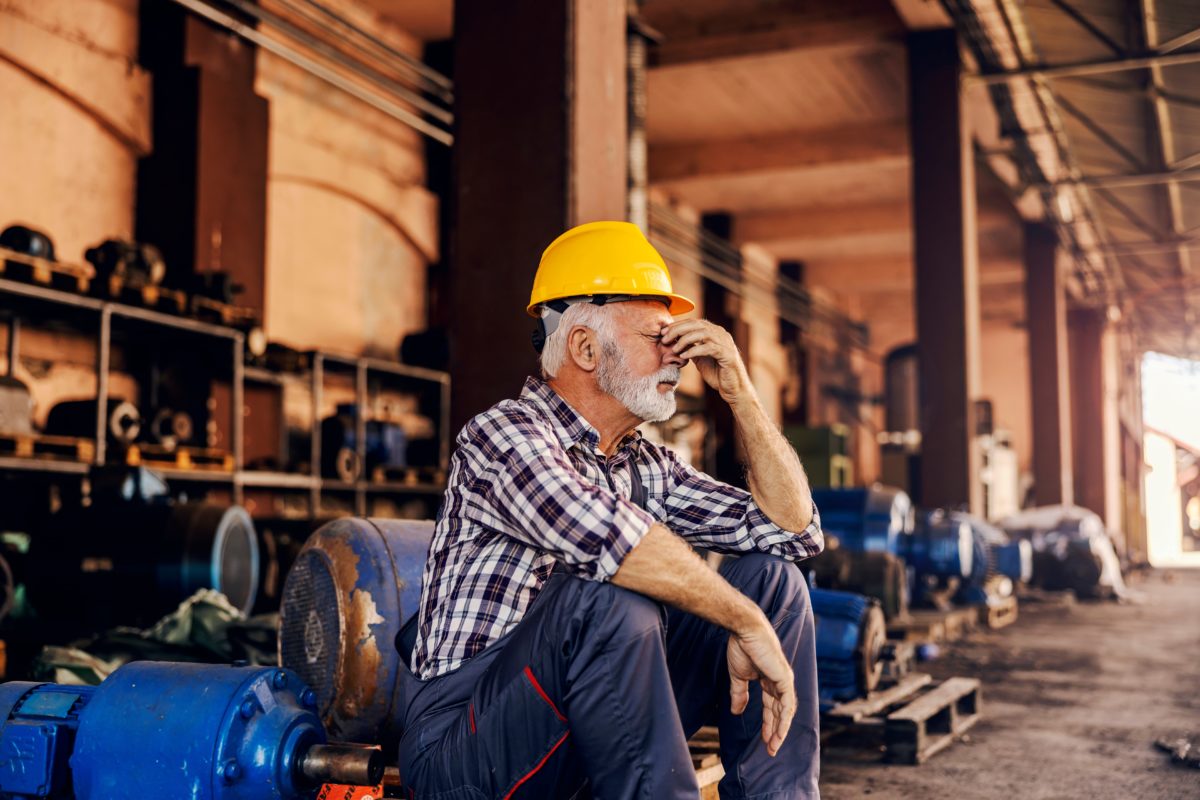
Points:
[(239, 478)]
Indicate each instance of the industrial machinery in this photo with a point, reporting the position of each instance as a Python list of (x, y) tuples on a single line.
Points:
[(123, 422), (126, 265), (16, 405), (351, 589), (864, 528), (999, 564), (133, 554), (1071, 550), (168, 730), (385, 446), (29, 241), (851, 639), (946, 554)]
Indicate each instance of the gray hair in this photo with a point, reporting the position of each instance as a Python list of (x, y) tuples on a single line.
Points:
[(598, 318)]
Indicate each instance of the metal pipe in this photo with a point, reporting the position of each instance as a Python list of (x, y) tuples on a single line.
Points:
[(103, 346), (1126, 180), (365, 71), (1085, 68), (350, 764), (285, 52), (426, 72)]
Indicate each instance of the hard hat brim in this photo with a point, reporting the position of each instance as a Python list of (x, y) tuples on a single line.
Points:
[(677, 305)]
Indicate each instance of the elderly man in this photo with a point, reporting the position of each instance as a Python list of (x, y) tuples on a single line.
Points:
[(570, 640)]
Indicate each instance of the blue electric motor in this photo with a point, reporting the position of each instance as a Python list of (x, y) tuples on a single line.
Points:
[(353, 586), (851, 634), (942, 546), (155, 729), (869, 520), (999, 564)]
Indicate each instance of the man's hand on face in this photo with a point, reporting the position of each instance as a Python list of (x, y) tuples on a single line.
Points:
[(714, 353), (757, 655)]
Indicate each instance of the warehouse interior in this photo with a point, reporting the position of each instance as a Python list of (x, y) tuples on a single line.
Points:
[(261, 260)]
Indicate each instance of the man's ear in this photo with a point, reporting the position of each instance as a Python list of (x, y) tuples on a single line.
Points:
[(584, 348)]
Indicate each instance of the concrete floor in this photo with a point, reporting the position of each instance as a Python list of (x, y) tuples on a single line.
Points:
[(1073, 701)]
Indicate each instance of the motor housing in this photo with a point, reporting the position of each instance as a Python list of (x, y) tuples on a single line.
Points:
[(352, 587)]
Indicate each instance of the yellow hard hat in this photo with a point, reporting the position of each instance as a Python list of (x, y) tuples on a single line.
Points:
[(603, 259)]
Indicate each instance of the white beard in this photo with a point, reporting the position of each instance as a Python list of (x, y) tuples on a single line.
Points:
[(639, 395)]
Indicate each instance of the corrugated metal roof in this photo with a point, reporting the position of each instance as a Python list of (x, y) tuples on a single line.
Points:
[(1137, 121)]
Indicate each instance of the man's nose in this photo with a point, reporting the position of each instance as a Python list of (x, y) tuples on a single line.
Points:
[(671, 358)]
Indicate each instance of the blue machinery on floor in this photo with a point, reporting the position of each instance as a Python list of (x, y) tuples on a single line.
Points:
[(167, 730), (948, 552)]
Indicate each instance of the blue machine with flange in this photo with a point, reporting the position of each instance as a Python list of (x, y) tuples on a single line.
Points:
[(167, 730), (349, 592), (851, 636)]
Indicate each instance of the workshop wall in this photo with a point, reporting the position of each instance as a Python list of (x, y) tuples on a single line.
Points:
[(351, 227), (68, 72)]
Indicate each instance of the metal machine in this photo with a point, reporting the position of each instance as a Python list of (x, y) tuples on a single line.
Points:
[(166, 730), (133, 554), (851, 638), (945, 554), (349, 592)]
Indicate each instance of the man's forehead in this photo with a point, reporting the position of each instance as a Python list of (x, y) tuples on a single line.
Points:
[(646, 313)]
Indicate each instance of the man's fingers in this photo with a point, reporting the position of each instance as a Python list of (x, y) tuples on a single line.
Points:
[(739, 694), (783, 722), (769, 721), (697, 350), (689, 338)]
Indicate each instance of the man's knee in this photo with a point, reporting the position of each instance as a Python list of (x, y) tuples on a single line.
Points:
[(771, 581), (616, 613)]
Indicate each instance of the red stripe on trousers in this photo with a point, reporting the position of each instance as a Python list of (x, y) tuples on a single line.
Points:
[(542, 692), (540, 764)]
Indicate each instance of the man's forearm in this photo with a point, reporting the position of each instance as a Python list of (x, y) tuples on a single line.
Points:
[(776, 477), (664, 567)]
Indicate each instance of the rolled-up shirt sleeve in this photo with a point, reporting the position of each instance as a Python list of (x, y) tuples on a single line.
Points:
[(526, 488), (717, 516)]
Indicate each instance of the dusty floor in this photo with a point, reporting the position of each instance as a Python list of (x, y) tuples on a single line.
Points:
[(1073, 701)]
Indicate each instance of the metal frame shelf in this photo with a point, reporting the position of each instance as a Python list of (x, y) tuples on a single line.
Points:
[(27, 295)]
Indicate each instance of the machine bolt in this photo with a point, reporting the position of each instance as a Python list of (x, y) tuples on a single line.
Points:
[(231, 771), (280, 679), (308, 698), (247, 708)]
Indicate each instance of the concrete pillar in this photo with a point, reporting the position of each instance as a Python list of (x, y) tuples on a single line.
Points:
[(723, 308), (202, 192), (540, 138), (1097, 468), (946, 261), (1049, 376)]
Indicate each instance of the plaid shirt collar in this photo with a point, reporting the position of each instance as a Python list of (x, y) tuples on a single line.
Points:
[(569, 425)]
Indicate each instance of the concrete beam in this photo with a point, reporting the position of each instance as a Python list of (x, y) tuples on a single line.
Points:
[(765, 29), (896, 275), (851, 144)]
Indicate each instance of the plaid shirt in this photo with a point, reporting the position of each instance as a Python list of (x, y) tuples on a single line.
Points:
[(528, 487)]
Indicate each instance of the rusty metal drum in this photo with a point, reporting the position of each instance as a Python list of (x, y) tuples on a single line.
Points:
[(352, 587)]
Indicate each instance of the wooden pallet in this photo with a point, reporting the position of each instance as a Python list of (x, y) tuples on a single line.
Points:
[(999, 615), (30, 269), (57, 448), (210, 310), (925, 625), (916, 718), (933, 721), (705, 747), (180, 457), (409, 476)]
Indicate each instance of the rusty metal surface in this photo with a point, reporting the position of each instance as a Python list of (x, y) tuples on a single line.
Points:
[(356, 583)]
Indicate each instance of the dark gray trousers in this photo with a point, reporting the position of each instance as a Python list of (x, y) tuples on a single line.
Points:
[(601, 686)]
